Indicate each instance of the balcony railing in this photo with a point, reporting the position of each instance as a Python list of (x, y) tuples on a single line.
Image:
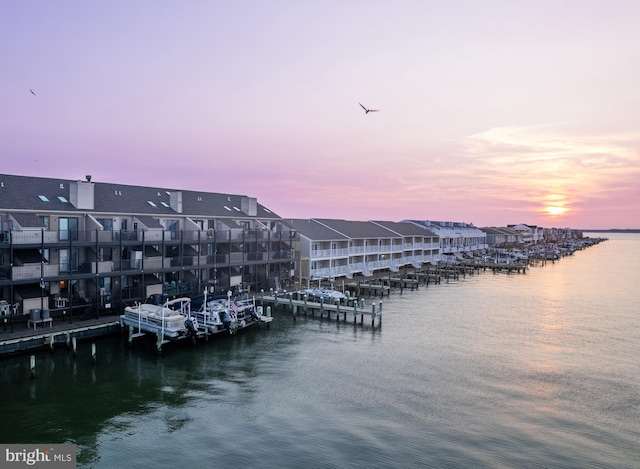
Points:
[(34, 271)]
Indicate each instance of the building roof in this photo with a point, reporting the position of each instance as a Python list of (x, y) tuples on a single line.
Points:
[(53, 195), (357, 229), (148, 221), (28, 220), (446, 229), (313, 230), (405, 228)]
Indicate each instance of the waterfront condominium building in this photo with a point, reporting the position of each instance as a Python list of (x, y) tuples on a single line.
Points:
[(333, 249), (79, 247)]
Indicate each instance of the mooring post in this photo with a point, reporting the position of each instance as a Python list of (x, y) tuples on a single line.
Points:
[(373, 313), (74, 345), (159, 342), (51, 341), (32, 365), (68, 339), (94, 356)]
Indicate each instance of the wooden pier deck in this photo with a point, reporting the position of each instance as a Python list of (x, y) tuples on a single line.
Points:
[(298, 303), (58, 333)]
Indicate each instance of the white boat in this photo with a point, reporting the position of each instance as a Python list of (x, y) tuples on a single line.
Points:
[(326, 294), (172, 319), (223, 314)]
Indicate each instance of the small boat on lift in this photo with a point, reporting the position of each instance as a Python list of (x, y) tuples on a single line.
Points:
[(220, 314), (172, 319)]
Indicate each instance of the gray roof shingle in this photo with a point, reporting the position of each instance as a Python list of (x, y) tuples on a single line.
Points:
[(21, 193)]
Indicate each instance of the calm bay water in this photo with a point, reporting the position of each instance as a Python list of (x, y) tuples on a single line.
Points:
[(492, 370)]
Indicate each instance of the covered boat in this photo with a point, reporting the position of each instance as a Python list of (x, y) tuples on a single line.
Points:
[(172, 320)]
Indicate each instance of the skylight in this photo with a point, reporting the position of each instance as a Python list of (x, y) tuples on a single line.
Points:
[(151, 203), (43, 198), (227, 207), (236, 209), (164, 204), (62, 199)]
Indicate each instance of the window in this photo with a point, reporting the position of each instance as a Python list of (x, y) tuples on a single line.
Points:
[(106, 254), (68, 260), (43, 198), (68, 229), (105, 285), (45, 221), (174, 227), (107, 223)]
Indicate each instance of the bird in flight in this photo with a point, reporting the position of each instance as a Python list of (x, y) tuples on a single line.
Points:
[(367, 111), (32, 92)]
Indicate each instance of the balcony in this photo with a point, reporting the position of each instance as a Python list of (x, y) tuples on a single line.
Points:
[(34, 271), (33, 237)]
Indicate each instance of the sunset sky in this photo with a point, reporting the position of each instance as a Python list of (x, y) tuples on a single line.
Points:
[(490, 112)]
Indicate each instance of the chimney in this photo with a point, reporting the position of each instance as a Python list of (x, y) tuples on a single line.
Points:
[(81, 194), (249, 206), (175, 201)]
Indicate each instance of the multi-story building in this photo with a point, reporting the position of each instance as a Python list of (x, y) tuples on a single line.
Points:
[(503, 237), (455, 238), (333, 249), (531, 234), (83, 247)]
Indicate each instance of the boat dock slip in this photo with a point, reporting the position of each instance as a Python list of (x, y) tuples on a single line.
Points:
[(61, 333), (298, 302)]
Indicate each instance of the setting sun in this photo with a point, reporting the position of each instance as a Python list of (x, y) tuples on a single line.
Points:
[(555, 210)]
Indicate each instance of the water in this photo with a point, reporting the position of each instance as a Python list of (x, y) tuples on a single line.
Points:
[(493, 370)]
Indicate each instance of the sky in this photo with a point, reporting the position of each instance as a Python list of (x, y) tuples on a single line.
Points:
[(489, 112)]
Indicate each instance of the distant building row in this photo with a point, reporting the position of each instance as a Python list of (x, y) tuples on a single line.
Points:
[(332, 249)]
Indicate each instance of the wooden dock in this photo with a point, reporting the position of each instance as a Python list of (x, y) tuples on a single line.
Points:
[(298, 303)]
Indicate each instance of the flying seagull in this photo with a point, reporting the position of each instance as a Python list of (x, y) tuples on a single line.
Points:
[(32, 92), (367, 111)]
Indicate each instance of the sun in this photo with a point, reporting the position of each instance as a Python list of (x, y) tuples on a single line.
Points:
[(555, 211)]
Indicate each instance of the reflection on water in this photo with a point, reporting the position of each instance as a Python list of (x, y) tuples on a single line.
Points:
[(493, 370)]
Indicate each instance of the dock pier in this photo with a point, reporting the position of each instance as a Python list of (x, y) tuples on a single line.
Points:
[(297, 303)]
